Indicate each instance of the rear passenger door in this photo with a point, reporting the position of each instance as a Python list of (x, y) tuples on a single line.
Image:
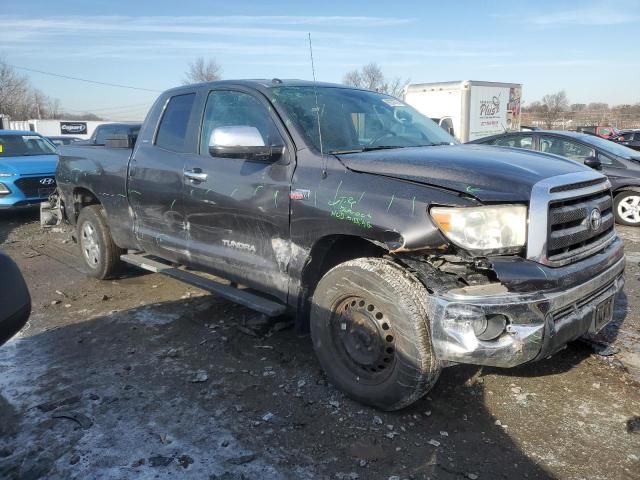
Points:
[(155, 180), (237, 207)]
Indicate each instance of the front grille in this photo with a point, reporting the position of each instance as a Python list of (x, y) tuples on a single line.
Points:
[(571, 230), (33, 187)]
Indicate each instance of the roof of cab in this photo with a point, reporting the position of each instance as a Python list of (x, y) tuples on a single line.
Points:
[(261, 84)]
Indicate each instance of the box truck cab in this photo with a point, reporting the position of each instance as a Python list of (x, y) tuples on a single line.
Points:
[(475, 109)]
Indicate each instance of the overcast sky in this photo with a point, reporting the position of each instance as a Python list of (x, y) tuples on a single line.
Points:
[(590, 49)]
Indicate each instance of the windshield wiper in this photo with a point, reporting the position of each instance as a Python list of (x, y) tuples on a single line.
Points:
[(436, 144), (365, 149)]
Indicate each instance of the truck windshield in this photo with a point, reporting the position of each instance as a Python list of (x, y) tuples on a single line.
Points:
[(356, 120), (24, 145)]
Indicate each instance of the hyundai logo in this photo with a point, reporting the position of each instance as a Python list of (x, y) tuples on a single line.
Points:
[(47, 181), (595, 219)]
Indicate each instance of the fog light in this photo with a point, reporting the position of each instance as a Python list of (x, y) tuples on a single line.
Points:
[(3, 189), (494, 326)]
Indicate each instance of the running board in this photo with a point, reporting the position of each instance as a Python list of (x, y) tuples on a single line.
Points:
[(251, 300)]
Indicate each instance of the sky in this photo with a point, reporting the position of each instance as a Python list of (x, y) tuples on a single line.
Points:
[(587, 48)]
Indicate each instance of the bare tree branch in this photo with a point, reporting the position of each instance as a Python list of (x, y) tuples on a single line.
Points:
[(201, 70), (371, 77)]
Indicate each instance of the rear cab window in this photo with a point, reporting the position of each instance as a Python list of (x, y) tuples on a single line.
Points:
[(172, 130)]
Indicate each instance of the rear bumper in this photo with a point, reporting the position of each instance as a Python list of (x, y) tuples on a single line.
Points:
[(539, 323)]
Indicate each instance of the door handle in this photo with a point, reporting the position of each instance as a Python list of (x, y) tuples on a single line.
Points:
[(196, 175)]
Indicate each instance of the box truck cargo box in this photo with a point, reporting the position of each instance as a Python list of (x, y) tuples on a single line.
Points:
[(473, 109)]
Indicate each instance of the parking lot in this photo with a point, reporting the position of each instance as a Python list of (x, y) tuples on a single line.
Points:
[(145, 377)]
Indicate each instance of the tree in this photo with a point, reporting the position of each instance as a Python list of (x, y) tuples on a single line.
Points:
[(201, 70), (554, 105), (371, 77), (14, 90)]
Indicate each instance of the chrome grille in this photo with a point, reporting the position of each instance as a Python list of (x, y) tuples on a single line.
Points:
[(561, 230), (570, 228)]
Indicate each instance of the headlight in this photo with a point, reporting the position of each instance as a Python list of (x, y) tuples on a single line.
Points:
[(481, 230), (4, 174)]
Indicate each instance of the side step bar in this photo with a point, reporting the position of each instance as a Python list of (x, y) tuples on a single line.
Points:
[(251, 300)]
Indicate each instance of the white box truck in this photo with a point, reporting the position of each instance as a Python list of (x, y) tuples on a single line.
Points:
[(468, 109)]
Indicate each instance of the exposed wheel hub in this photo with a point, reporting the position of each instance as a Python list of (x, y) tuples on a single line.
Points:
[(363, 334), (629, 208), (89, 245)]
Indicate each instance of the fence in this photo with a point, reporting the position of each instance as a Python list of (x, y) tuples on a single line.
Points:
[(571, 120)]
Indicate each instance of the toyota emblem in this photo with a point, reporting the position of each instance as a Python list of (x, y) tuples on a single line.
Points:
[(595, 219), (47, 181)]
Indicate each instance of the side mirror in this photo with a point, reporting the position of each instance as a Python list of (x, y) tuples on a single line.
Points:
[(119, 140), (243, 142), (593, 162), (15, 301)]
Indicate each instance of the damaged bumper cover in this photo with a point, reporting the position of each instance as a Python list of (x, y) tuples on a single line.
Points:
[(537, 324)]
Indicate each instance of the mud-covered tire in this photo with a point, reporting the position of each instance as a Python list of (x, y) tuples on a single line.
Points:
[(370, 333), (100, 254), (626, 208)]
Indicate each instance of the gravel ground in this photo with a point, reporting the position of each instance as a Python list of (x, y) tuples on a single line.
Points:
[(145, 377)]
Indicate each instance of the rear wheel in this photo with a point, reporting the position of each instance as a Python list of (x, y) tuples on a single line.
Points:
[(100, 254), (626, 208), (370, 333)]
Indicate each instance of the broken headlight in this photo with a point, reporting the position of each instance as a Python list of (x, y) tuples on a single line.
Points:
[(483, 230)]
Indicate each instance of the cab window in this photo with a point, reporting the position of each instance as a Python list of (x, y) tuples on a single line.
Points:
[(226, 108), (175, 120)]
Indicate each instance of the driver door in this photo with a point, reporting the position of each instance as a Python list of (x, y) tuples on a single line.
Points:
[(237, 205)]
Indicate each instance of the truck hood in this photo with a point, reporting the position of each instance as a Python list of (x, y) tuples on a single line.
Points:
[(490, 174), (29, 165)]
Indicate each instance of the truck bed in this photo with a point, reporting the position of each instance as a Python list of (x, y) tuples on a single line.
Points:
[(102, 172)]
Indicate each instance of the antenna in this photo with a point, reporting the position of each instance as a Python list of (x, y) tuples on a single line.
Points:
[(315, 93)]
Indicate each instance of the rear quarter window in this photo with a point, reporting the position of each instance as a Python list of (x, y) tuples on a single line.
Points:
[(173, 125)]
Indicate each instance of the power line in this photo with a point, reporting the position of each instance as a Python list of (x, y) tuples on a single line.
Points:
[(133, 107), (83, 79)]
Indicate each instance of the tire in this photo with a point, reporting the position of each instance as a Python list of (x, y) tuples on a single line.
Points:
[(626, 208), (100, 254), (370, 332)]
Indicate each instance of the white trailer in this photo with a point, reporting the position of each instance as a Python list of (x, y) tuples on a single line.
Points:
[(472, 109)]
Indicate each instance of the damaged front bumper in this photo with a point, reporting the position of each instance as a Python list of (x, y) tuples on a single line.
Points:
[(537, 324)]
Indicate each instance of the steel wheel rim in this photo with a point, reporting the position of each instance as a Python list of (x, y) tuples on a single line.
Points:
[(629, 209), (89, 245), (364, 339)]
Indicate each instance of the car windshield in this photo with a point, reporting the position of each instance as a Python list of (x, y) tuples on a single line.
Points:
[(24, 145), (356, 120), (611, 147)]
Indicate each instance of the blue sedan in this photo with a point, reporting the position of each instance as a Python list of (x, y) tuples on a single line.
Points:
[(27, 168)]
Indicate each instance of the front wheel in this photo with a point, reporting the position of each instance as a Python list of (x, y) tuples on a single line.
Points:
[(100, 254), (626, 208), (370, 332)]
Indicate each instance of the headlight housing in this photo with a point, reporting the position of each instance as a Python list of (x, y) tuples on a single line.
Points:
[(483, 230)]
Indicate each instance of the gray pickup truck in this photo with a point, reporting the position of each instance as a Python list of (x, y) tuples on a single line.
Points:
[(401, 251)]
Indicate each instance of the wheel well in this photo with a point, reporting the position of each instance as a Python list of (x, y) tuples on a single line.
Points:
[(629, 188), (325, 254), (83, 198)]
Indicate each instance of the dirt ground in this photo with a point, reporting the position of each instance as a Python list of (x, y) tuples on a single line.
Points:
[(145, 377)]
